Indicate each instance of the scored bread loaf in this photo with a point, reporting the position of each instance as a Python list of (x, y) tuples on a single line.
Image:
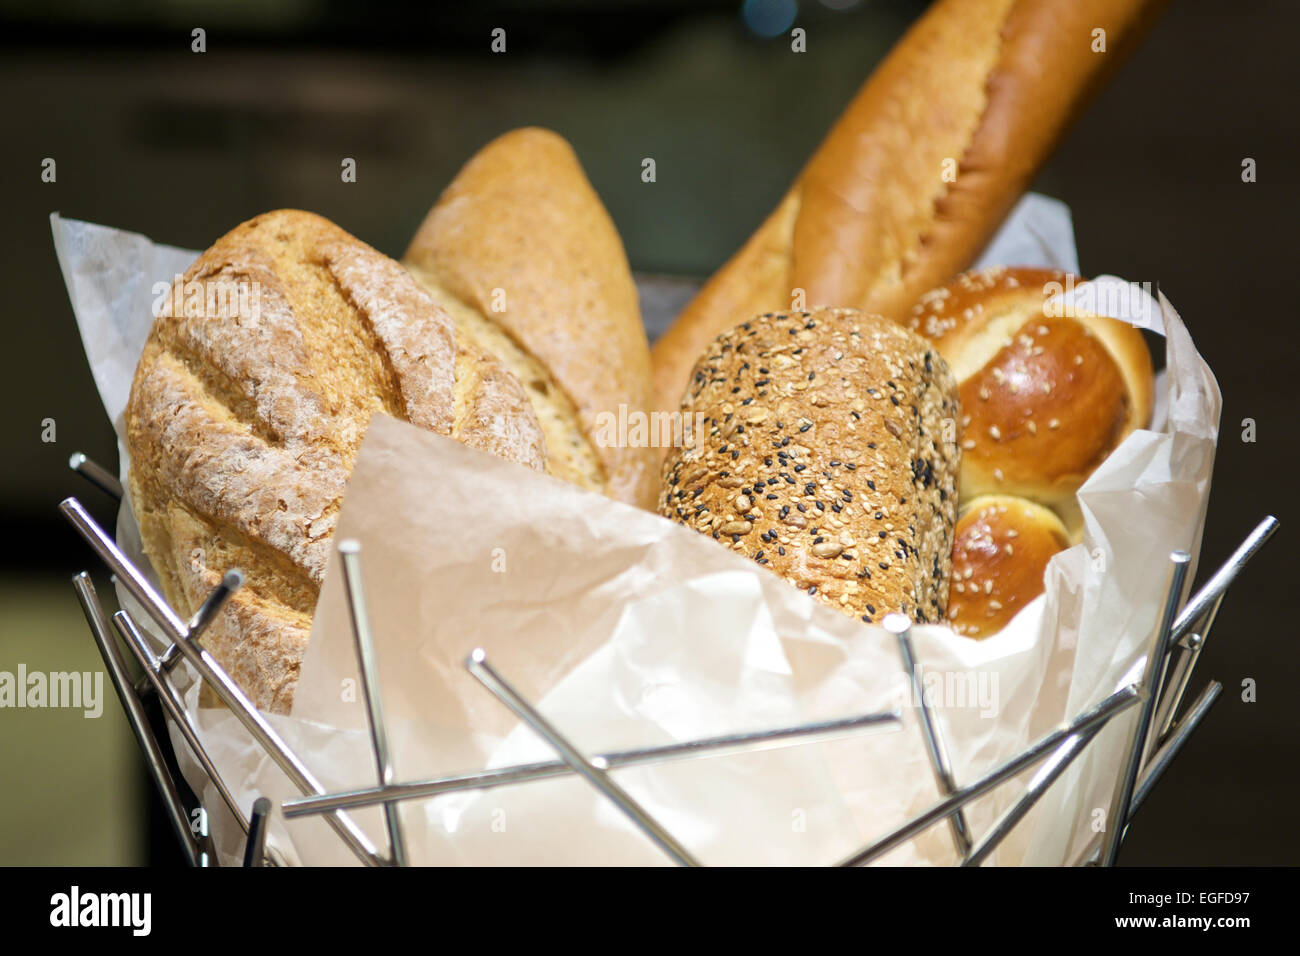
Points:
[(823, 457), (920, 169), (1045, 398), (523, 255), (1000, 552), (248, 408)]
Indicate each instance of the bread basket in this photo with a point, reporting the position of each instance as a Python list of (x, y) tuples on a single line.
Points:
[(170, 740)]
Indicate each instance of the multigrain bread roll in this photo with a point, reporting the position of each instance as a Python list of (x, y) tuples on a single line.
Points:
[(1044, 397), (521, 253), (248, 408), (922, 167), (1000, 552), (823, 457)]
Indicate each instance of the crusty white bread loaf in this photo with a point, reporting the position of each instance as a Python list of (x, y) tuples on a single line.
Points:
[(823, 457), (248, 408), (921, 168), (1000, 552), (523, 255), (1044, 397)]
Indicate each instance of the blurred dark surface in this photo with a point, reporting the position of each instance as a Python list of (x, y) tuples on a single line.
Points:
[(182, 146)]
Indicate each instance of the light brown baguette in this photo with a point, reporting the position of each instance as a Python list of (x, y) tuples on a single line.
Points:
[(871, 223), (823, 457), (246, 414), (523, 255)]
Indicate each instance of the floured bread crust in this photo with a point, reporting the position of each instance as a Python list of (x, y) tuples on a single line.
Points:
[(248, 409)]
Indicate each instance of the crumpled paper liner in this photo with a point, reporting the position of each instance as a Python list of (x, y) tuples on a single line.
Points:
[(627, 630)]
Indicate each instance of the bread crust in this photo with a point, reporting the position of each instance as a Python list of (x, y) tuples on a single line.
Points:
[(823, 457), (1000, 552), (520, 241), (245, 417), (1045, 398)]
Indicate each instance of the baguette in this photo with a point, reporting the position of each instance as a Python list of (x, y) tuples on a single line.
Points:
[(980, 88)]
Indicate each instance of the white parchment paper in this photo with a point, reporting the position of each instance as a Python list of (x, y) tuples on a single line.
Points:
[(628, 630)]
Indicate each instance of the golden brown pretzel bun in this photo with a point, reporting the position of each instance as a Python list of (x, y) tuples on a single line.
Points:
[(1045, 398), (1000, 550)]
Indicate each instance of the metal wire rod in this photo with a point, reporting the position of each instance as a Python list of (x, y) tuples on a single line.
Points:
[(1102, 712), (255, 846), (1160, 761), (1189, 649), (171, 702), (350, 554), (96, 474), (215, 675), (901, 627), (1164, 756), (1048, 773), (525, 773), (1152, 677), (593, 771), (136, 717), (1204, 601)]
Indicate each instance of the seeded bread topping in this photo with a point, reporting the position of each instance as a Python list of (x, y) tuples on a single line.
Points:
[(1000, 554), (829, 456)]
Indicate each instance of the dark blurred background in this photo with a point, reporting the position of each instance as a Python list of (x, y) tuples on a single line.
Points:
[(182, 146)]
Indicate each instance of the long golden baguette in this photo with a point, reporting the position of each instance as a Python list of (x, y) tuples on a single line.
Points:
[(983, 89)]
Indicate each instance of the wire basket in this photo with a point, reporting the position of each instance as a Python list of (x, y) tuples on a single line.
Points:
[(154, 702)]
